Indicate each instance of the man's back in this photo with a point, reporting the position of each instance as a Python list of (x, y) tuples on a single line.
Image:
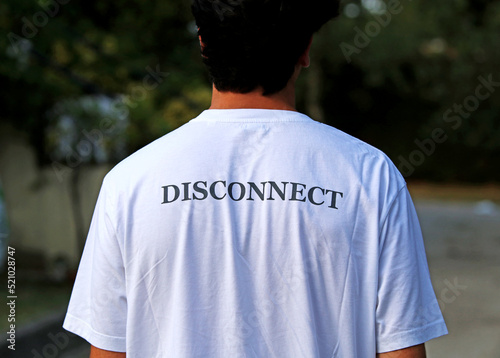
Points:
[(255, 233)]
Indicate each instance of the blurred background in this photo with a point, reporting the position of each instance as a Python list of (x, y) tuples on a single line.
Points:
[(85, 84)]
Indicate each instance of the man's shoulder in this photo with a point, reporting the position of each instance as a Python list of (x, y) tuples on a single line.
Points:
[(333, 139), (338, 137), (302, 133), (148, 157)]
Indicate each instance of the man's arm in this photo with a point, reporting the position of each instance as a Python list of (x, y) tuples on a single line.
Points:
[(410, 352), (101, 353)]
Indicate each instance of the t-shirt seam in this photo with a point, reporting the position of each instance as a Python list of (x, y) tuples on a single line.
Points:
[(391, 206), (89, 326), (111, 203), (409, 333), (240, 121), (247, 115), (418, 328), (112, 196)]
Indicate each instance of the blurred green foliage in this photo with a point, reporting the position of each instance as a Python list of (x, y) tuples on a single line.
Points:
[(397, 88), (146, 52)]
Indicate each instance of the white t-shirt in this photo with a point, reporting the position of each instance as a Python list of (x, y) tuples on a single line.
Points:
[(254, 233)]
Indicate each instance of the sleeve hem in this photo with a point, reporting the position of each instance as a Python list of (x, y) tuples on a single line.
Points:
[(99, 340), (412, 338)]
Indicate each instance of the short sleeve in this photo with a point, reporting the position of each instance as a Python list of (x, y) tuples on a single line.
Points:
[(407, 311), (98, 306)]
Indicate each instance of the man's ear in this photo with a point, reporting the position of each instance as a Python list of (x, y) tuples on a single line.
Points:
[(201, 42), (202, 45), (304, 59)]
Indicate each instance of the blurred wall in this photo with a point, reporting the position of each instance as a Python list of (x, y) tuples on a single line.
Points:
[(39, 205)]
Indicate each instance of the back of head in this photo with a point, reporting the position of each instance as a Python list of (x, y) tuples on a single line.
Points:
[(256, 43)]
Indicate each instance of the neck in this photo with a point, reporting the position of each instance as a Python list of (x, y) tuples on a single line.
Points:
[(283, 100)]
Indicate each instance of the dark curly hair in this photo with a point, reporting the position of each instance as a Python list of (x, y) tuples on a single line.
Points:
[(257, 43)]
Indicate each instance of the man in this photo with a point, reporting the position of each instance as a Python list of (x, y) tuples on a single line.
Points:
[(254, 231)]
